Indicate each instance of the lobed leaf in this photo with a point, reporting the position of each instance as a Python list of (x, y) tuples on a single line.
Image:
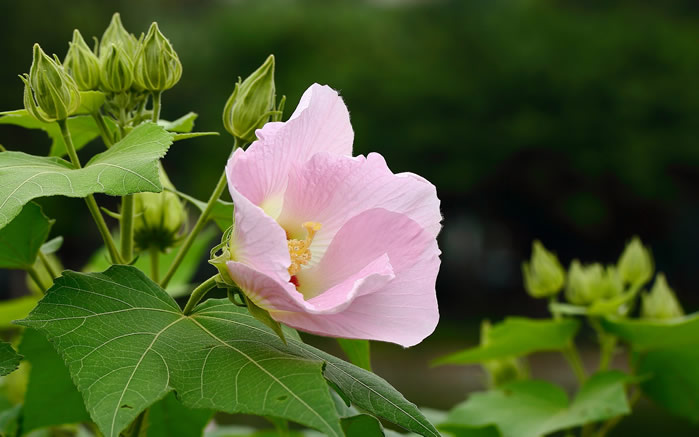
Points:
[(127, 344), (21, 239), (517, 336), (129, 166), (535, 408)]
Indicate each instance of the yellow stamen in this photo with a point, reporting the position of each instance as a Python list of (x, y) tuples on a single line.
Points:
[(300, 250)]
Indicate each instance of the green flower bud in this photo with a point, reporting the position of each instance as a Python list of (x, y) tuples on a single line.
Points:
[(157, 65), (158, 217), (252, 103), (636, 263), (543, 276), (611, 284), (585, 283), (117, 35), (82, 64), (50, 93), (504, 370), (117, 71), (661, 302)]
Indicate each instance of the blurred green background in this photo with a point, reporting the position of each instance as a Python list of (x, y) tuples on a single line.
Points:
[(574, 122)]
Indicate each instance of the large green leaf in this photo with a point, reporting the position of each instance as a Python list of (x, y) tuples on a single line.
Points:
[(129, 166), (183, 124), (517, 336), (49, 380), (127, 344), (535, 408), (169, 418), (9, 359), (83, 129), (22, 238), (666, 356), (219, 357)]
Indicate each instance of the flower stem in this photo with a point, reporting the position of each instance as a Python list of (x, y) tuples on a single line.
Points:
[(127, 205), (37, 279), (47, 264), (573, 357), (90, 199), (104, 130), (154, 263), (199, 293), (198, 226), (156, 105)]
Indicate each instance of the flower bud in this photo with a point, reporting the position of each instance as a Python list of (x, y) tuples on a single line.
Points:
[(82, 64), (252, 103), (585, 283), (157, 66), (158, 217), (661, 302), (611, 284), (504, 370), (117, 70), (50, 93), (636, 263), (543, 275), (117, 35)]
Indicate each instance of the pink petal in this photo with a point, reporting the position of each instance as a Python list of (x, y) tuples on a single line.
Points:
[(404, 310), (331, 189), (258, 240), (320, 123)]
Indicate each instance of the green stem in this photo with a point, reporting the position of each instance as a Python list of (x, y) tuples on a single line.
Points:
[(199, 293), (104, 130), (573, 357), (90, 199), (47, 264), (607, 344), (198, 226), (154, 263), (37, 279), (127, 205), (156, 106)]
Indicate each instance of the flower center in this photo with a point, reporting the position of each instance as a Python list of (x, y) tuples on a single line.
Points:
[(300, 250)]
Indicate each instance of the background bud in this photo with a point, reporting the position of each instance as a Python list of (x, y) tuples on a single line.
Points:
[(117, 35), (585, 284), (543, 275), (157, 66), (117, 71), (50, 93), (636, 263), (82, 64), (661, 302), (252, 103), (158, 217)]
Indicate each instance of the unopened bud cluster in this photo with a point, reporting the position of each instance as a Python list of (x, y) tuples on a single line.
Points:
[(610, 289)]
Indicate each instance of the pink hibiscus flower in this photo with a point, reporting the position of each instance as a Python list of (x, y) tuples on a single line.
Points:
[(329, 243)]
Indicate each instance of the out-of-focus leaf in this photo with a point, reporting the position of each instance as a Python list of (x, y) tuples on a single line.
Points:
[(180, 137), (666, 356), (169, 418), (15, 309), (181, 283), (22, 238), (83, 129), (52, 245), (9, 359), (221, 214), (517, 336), (358, 352), (535, 408), (51, 397), (362, 425), (129, 166)]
